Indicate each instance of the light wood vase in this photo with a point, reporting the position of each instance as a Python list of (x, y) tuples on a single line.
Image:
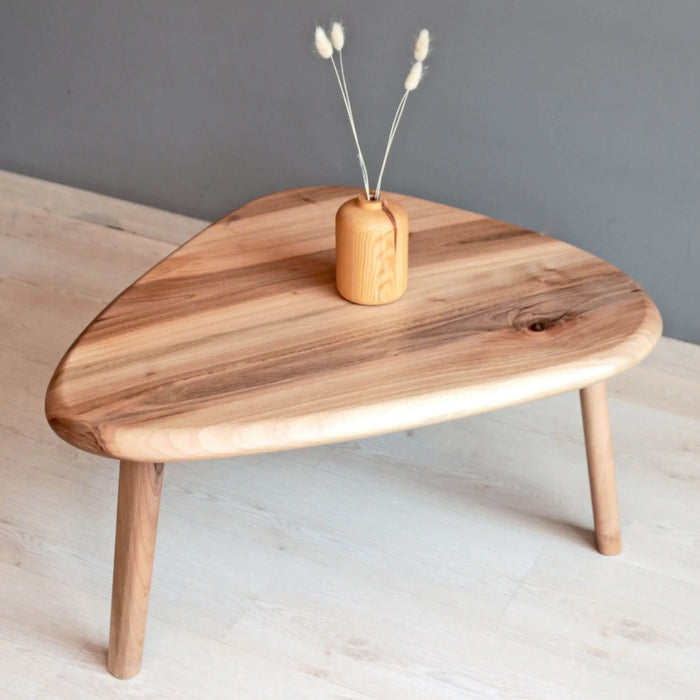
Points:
[(371, 250)]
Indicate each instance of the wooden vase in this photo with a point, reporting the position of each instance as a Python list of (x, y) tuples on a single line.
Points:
[(371, 248)]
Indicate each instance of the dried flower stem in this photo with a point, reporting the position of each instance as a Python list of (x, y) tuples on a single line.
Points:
[(324, 48), (392, 132), (348, 109), (415, 75), (346, 94)]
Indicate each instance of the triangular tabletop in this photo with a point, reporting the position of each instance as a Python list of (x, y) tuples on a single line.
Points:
[(238, 342)]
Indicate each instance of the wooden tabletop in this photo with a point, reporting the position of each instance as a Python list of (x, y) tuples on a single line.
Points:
[(238, 342)]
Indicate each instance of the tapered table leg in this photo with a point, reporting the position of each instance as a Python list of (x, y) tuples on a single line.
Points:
[(601, 468), (140, 484)]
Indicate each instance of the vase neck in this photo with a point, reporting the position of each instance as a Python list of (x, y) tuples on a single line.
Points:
[(370, 204)]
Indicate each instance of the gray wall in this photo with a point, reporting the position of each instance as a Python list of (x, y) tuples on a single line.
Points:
[(576, 117)]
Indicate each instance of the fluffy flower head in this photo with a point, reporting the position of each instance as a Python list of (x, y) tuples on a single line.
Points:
[(422, 45), (323, 43), (414, 76), (338, 36)]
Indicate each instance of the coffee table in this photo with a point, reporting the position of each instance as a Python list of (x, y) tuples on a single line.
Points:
[(238, 343)]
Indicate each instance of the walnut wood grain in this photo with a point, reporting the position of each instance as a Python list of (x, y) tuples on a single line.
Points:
[(238, 342)]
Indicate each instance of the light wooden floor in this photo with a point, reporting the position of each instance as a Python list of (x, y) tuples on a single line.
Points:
[(454, 561)]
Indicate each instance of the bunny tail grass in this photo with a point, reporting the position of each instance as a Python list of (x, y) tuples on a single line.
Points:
[(334, 40), (414, 76), (324, 48), (338, 36), (422, 48)]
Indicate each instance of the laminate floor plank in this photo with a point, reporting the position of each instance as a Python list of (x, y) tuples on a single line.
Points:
[(43, 625), (183, 664), (340, 621), (28, 193)]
